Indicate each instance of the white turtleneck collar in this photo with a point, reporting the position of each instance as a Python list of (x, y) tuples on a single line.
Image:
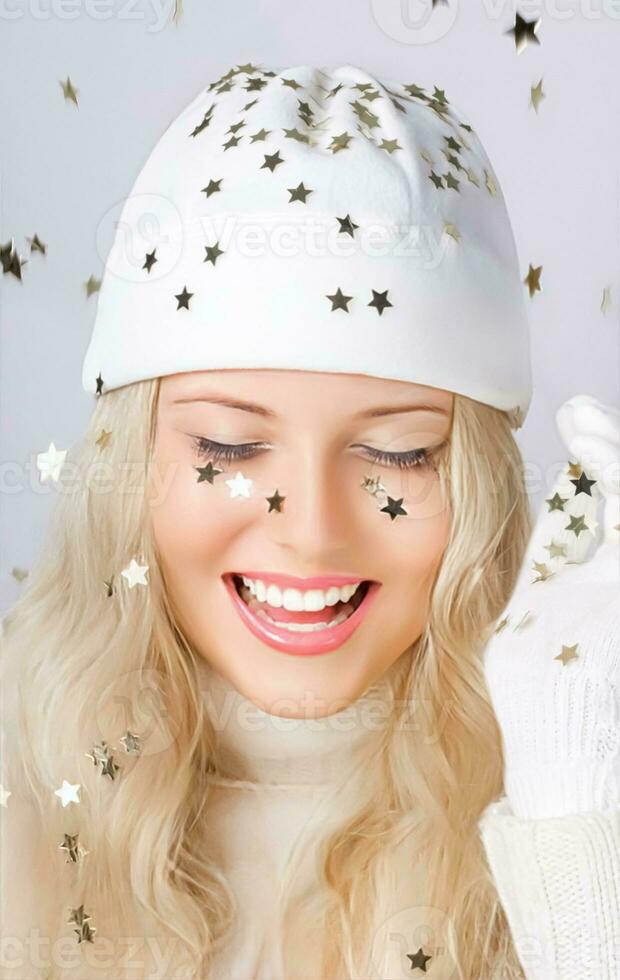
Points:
[(258, 748)]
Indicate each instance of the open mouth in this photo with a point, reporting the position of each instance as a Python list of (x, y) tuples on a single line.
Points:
[(302, 621)]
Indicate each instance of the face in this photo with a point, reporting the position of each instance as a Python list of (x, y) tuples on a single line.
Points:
[(268, 500)]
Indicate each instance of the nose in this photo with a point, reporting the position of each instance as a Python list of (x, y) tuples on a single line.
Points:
[(317, 525)]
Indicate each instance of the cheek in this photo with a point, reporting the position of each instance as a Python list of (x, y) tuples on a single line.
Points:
[(414, 547), (190, 525)]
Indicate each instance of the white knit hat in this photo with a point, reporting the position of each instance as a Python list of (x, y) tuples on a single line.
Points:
[(322, 221)]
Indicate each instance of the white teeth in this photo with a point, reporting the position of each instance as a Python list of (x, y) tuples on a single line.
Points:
[(295, 600)]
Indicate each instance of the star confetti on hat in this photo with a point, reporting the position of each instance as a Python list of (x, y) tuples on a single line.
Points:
[(317, 219)]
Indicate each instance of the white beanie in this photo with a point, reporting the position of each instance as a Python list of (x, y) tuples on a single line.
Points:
[(319, 220)]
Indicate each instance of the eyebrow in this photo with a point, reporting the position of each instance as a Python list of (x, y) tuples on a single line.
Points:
[(268, 413)]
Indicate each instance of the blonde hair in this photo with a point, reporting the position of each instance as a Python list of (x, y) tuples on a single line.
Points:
[(78, 660)]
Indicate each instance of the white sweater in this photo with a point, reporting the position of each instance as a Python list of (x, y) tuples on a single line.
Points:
[(558, 878)]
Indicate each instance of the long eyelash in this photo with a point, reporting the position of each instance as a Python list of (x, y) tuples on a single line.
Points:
[(222, 451)]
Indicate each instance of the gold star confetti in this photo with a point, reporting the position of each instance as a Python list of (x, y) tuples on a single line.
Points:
[(275, 502), (36, 245), (543, 572), (393, 507), (339, 301), (236, 126), (606, 300), (380, 301), (233, 141), (340, 142), (568, 654), (183, 299), (69, 91), (135, 574), (213, 253), (536, 95), (294, 134), (503, 623), (73, 848), (437, 180), (91, 286), (206, 119), (556, 550), (299, 193), (419, 959), (19, 574), (577, 525), (109, 587), (212, 187), (103, 439), (131, 743), (490, 183), (472, 178), (347, 226), (390, 145), (452, 231), (272, 160), (524, 31), (207, 472), (525, 618), (574, 469), (12, 262), (582, 485), (86, 932), (149, 260), (532, 280), (372, 485)]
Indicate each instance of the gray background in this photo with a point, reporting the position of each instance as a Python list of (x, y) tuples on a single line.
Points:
[(64, 169)]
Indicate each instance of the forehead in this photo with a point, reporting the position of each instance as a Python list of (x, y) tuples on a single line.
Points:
[(273, 392)]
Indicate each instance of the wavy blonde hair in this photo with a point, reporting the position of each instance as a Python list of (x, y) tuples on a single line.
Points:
[(78, 654)]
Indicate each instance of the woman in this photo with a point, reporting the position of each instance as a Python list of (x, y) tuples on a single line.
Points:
[(243, 691)]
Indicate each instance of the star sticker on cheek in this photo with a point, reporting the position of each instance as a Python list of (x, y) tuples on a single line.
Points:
[(275, 502), (393, 507), (239, 486), (207, 472), (373, 486)]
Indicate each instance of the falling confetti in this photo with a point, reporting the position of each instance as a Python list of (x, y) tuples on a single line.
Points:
[(135, 574), (50, 463)]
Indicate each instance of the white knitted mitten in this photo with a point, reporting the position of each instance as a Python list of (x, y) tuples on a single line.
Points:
[(553, 664)]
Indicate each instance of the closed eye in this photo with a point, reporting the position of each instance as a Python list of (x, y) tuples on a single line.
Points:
[(218, 451)]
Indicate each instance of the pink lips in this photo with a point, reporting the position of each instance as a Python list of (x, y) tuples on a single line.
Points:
[(298, 643)]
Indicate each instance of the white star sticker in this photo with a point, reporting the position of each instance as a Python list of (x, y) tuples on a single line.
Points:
[(135, 574), (4, 795), (240, 486), (68, 792), (50, 463)]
